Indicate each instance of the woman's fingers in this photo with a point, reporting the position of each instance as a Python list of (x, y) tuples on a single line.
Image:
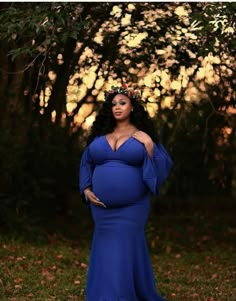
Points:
[(93, 199), (99, 203), (142, 137), (96, 201), (138, 135)]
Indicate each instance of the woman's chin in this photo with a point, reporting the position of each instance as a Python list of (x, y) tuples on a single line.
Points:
[(121, 118)]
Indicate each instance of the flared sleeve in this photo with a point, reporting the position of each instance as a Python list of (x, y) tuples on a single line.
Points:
[(86, 171), (156, 169)]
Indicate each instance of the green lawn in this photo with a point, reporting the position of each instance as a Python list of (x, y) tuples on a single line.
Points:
[(192, 252)]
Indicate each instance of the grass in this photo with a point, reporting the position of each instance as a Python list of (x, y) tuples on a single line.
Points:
[(192, 253)]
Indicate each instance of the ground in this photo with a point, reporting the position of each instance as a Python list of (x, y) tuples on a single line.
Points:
[(192, 249)]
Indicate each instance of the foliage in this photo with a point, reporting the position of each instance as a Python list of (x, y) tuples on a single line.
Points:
[(34, 34), (202, 150), (40, 176)]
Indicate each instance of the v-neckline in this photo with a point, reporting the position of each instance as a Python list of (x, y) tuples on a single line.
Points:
[(116, 150)]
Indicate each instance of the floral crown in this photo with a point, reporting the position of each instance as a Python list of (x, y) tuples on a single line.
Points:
[(132, 94)]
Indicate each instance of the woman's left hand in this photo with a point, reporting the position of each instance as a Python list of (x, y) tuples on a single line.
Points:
[(146, 140)]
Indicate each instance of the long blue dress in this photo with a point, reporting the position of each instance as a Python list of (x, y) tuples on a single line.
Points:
[(119, 268)]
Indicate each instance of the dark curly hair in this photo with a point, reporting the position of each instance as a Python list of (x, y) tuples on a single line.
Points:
[(105, 121)]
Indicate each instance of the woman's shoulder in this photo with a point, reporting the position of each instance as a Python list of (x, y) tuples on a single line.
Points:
[(95, 140)]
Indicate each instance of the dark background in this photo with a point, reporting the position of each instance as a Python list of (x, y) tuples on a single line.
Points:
[(41, 141)]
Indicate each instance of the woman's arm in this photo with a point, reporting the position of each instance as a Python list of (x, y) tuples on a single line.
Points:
[(86, 172)]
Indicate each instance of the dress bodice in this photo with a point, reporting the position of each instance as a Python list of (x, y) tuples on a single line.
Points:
[(131, 151)]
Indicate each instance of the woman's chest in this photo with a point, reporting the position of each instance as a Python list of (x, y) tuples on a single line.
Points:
[(130, 151)]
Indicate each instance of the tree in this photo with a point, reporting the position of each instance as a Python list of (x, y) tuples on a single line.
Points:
[(57, 62)]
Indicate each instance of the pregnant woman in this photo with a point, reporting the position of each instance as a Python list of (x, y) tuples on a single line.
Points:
[(122, 164)]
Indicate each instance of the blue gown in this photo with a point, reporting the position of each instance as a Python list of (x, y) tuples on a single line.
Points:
[(119, 267)]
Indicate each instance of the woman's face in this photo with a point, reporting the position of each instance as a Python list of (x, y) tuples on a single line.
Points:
[(121, 107)]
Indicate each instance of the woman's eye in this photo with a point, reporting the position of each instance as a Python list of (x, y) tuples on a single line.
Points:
[(121, 103)]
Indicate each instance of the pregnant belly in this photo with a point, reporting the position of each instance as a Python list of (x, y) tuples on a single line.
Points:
[(118, 184)]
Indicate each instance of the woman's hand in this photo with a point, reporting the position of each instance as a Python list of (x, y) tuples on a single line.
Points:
[(146, 140), (90, 196)]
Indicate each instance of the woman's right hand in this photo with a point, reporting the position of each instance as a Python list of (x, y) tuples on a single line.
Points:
[(90, 196)]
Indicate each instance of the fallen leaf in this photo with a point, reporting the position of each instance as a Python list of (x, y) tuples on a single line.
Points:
[(168, 249), (213, 276), (77, 282), (18, 280), (54, 267), (83, 265)]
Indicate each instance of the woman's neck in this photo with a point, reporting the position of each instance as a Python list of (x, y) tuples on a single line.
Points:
[(123, 125), (124, 128)]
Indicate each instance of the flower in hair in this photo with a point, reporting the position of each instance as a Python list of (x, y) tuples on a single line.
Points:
[(123, 89)]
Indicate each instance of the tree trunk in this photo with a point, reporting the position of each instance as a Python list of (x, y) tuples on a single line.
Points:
[(57, 100)]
